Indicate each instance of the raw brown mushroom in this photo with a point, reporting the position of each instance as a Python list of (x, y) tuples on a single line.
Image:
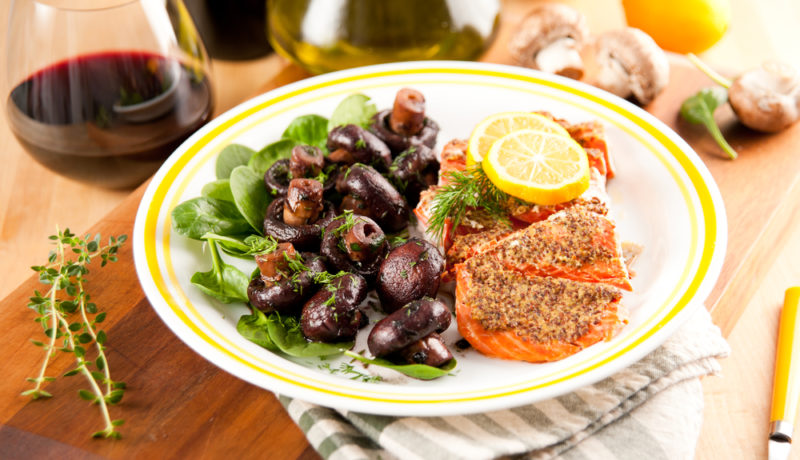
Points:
[(550, 39), (628, 62), (767, 98)]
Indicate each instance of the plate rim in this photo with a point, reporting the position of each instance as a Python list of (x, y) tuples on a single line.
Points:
[(651, 342)]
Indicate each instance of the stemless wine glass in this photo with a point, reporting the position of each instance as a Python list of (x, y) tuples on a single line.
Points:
[(102, 91)]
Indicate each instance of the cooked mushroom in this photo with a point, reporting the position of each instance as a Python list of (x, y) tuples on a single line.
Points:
[(767, 98), (353, 144), (410, 272), (628, 62), (373, 196), (306, 161), (277, 177), (303, 202), (332, 314), (413, 322), (305, 236), (279, 287), (355, 244), (299, 166), (415, 170), (550, 39), (405, 124)]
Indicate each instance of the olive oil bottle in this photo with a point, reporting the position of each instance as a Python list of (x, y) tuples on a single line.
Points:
[(327, 35)]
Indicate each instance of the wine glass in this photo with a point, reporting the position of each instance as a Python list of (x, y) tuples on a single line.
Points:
[(102, 91)]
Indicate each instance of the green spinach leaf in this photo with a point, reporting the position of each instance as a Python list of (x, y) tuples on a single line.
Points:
[(219, 189), (417, 371), (250, 196), (230, 157), (262, 160), (354, 109), (308, 130), (285, 332), (247, 246), (198, 216), (699, 109), (254, 328), (224, 282)]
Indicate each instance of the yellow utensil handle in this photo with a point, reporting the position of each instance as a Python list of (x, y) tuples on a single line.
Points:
[(786, 387)]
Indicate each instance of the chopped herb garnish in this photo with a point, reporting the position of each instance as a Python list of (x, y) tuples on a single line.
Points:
[(349, 222)]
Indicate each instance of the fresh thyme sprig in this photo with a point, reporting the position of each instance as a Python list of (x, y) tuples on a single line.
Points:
[(470, 188), (66, 299)]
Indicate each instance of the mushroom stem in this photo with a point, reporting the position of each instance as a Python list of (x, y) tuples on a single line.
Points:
[(613, 78), (362, 240), (341, 156), (408, 113), (273, 264), (710, 73), (561, 57), (303, 202)]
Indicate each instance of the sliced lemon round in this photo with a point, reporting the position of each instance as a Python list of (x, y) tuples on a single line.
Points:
[(541, 168), (498, 125)]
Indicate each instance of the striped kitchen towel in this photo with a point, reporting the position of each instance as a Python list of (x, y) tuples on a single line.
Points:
[(653, 410)]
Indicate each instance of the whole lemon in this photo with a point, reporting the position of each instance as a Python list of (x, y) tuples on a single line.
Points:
[(682, 26)]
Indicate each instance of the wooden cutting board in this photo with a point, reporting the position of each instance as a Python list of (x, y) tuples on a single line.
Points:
[(179, 405)]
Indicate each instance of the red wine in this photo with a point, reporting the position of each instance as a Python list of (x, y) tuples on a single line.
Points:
[(110, 119)]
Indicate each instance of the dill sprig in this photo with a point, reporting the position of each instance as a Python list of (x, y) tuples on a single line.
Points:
[(470, 188)]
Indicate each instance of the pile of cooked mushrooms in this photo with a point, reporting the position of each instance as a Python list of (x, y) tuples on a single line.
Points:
[(331, 216), (555, 38)]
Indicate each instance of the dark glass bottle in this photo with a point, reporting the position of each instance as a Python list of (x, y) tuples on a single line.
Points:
[(232, 29)]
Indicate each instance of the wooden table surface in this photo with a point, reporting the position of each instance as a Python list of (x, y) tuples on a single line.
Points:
[(33, 201)]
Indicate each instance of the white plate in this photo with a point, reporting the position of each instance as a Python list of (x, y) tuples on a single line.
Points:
[(663, 198)]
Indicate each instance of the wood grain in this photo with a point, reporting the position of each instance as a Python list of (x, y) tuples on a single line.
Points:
[(179, 405)]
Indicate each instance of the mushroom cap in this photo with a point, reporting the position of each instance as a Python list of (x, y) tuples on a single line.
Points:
[(635, 59), (767, 98), (544, 25)]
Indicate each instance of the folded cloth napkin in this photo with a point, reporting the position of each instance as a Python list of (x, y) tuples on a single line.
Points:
[(653, 410)]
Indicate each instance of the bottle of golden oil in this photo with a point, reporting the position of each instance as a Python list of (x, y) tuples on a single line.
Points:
[(327, 35)]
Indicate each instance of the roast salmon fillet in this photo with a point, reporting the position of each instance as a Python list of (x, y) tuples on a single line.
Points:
[(575, 244), (546, 283), (545, 292), (509, 315)]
